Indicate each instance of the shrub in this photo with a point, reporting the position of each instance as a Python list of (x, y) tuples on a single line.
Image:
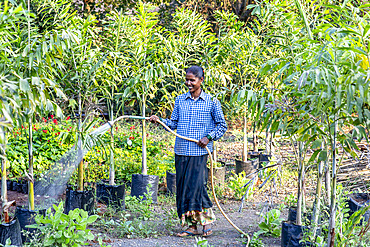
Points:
[(271, 224), (48, 145), (67, 230)]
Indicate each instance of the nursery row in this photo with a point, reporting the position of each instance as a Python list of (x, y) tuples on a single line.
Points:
[(299, 70)]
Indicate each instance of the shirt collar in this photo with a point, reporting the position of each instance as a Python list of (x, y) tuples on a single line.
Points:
[(202, 95)]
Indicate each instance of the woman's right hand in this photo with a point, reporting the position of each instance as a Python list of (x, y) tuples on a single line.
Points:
[(153, 119)]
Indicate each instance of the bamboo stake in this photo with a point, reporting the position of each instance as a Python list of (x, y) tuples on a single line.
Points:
[(31, 195), (254, 138)]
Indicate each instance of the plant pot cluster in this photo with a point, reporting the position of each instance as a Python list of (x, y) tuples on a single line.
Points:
[(112, 195), (16, 229), (292, 234), (19, 185)]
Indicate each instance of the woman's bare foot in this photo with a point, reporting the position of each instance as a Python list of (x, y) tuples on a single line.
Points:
[(191, 231), (207, 231)]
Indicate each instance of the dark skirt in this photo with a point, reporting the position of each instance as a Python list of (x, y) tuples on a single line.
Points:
[(191, 183)]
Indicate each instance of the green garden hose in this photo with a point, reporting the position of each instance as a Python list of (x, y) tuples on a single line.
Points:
[(210, 156)]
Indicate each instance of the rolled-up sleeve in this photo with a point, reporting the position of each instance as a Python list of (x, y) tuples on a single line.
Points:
[(173, 121), (219, 118)]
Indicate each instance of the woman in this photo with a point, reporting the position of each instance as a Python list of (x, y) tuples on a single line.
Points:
[(196, 115)]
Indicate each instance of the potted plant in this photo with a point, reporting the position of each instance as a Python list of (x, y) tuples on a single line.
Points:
[(33, 92), (85, 61), (108, 191), (246, 100), (145, 70)]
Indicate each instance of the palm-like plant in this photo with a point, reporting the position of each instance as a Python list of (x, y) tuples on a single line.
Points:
[(27, 75), (327, 92), (79, 81), (143, 67)]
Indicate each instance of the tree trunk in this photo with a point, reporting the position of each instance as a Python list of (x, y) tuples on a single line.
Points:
[(144, 163), (317, 203), (111, 167), (79, 146), (327, 182), (254, 138), (245, 140), (331, 235), (301, 170), (31, 195), (4, 192)]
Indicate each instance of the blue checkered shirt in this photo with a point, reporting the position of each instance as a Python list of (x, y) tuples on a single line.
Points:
[(196, 119)]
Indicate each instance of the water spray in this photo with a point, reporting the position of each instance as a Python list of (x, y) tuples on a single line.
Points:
[(110, 124)]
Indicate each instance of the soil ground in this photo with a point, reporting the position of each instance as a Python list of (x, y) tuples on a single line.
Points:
[(223, 233)]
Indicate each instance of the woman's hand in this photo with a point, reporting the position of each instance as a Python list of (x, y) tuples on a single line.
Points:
[(203, 142), (153, 119)]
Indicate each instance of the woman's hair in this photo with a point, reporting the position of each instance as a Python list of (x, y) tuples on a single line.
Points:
[(197, 71)]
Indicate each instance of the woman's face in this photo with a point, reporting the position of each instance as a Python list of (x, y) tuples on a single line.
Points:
[(192, 82)]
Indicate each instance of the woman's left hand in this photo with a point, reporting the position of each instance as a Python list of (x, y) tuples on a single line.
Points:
[(203, 142)]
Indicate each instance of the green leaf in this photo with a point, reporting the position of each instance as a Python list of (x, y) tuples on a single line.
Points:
[(323, 155), (36, 81), (49, 241), (263, 226), (364, 6), (92, 219), (316, 144), (24, 85)]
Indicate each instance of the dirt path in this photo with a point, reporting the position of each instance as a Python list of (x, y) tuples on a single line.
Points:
[(223, 233)]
